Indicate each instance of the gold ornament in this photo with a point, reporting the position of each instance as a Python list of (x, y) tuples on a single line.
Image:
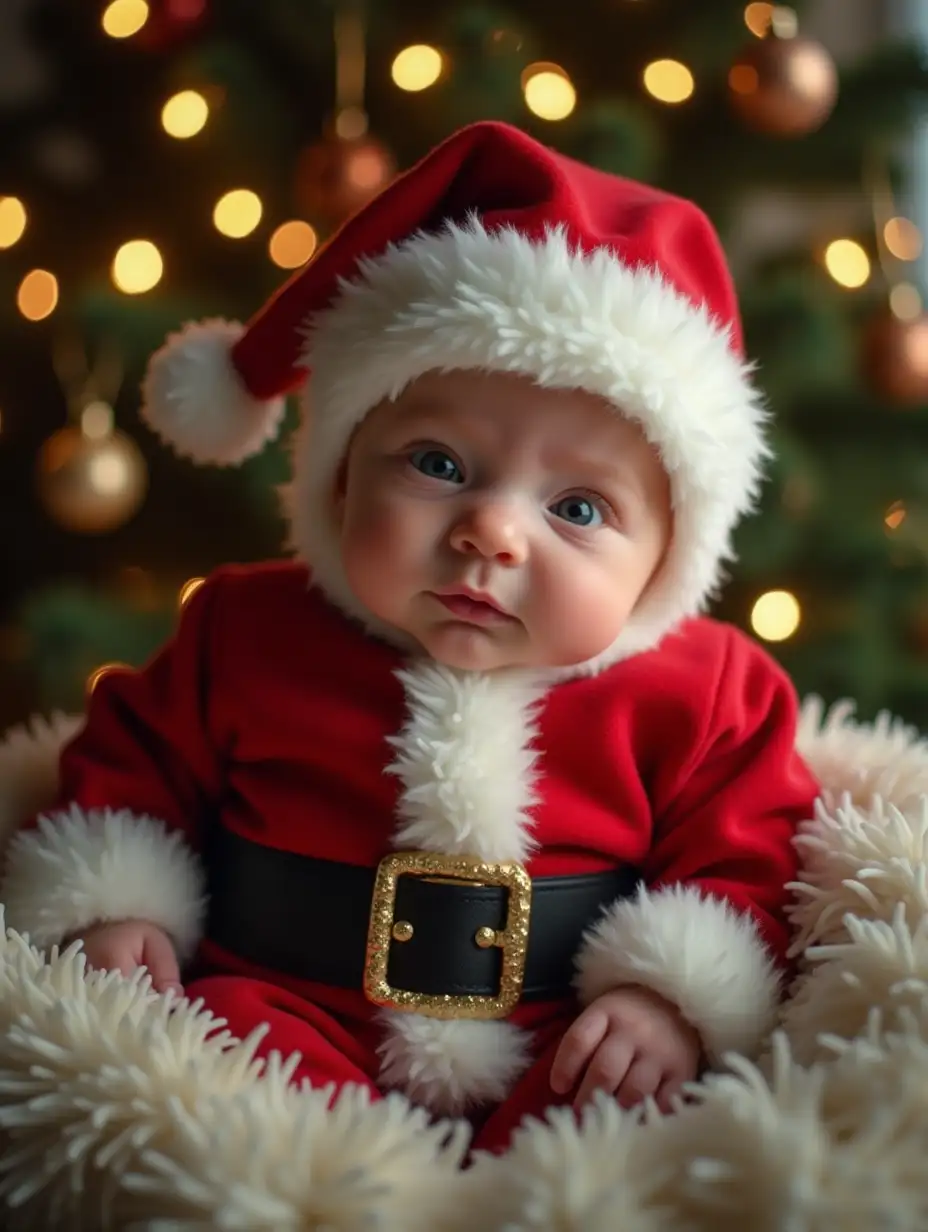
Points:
[(895, 358), (91, 484), (783, 85), (347, 168), (339, 175)]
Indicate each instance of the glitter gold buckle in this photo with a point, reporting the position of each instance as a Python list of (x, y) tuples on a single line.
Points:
[(511, 940)]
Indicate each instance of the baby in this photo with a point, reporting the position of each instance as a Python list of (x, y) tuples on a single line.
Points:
[(467, 800)]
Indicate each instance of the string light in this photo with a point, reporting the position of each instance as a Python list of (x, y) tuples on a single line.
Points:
[(37, 296), (184, 114), (137, 267), (237, 213), (123, 18), (416, 68), (668, 81), (902, 239), (848, 263), (188, 590), (12, 221), (757, 18), (549, 93), (292, 244), (776, 615), (895, 516), (905, 301)]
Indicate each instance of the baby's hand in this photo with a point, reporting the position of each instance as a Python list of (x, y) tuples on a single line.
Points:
[(630, 1043), (130, 944)]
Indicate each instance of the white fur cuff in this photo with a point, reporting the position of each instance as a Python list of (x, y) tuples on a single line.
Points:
[(77, 868), (695, 951)]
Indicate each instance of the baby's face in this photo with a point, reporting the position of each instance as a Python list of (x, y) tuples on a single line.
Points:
[(501, 524)]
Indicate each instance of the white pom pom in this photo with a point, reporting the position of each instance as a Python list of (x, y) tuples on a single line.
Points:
[(195, 401)]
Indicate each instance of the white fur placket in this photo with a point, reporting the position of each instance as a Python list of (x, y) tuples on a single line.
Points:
[(467, 768)]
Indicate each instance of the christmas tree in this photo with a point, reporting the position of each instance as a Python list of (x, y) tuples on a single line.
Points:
[(170, 160)]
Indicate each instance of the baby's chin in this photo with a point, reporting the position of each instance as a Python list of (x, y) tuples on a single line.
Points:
[(467, 649)]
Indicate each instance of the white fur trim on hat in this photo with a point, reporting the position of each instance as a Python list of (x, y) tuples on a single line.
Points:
[(469, 298), (78, 868), (698, 953), (194, 400)]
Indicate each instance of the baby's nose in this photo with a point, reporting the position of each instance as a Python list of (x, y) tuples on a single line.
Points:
[(492, 530)]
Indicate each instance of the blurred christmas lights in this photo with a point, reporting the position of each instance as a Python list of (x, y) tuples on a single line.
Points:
[(549, 93), (137, 267), (237, 213), (37, 296), (895, 515), (905, 301), (416, 68), (776, 615), (12, 221), (847, 262), (668, 81), (184, 114), (292, 244), (123, 18), (757, 18), (903, 239)]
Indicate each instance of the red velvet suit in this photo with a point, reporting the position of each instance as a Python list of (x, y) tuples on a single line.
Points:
[(270, 713)]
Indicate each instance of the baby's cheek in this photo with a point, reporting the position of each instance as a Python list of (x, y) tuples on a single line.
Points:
[(591, 612)]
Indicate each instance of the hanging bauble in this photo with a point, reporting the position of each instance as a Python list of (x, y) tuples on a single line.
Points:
[(783, 85), (895, 358), (337, 176), (91, 482)]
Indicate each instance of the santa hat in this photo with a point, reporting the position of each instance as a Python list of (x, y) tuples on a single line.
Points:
[(498, 254)]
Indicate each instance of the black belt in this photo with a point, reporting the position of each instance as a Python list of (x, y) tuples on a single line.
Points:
[(310, 919)]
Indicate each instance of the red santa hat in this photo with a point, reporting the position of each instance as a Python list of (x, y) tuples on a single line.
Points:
[(494, 253)]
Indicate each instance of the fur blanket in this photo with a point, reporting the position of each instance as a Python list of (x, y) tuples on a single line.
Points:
[(120, 1109)]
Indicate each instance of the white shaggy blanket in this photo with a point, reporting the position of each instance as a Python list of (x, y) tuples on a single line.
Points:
[(116, 1111)]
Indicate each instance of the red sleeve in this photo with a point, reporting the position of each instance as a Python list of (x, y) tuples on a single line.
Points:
[(725, 821), (709, 931), (135, 782)]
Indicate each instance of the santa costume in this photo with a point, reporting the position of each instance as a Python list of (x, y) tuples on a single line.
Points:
[(416, 874)]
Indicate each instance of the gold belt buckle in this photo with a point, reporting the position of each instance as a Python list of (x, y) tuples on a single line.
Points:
[(512, 940)]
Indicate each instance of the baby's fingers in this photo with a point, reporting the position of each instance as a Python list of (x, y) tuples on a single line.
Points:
[(644, 1078), (670, 1090), (579, 1043), (161, 961), (606, 1070)]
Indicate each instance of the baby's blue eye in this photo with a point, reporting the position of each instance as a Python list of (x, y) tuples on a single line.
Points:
[(437, 465), (577, 510)]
